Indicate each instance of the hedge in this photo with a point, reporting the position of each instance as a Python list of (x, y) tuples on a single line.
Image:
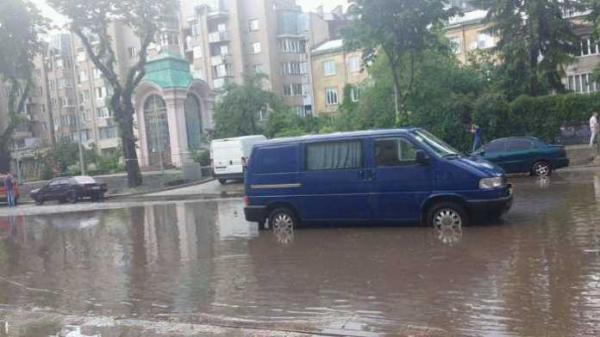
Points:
[(533, 116)]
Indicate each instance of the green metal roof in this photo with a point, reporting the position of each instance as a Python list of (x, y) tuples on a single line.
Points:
[(169, 71)]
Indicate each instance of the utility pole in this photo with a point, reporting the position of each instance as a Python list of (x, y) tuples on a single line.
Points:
[(81, 159)]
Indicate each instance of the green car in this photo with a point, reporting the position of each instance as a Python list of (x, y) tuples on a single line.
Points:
[(524, 155)]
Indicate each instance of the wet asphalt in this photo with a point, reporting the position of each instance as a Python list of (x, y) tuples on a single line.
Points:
[(199, 269)]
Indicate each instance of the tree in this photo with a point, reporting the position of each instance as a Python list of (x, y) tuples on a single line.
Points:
[(400, 30), (239, 111), (90, 21), (20, 26), (535, 42)]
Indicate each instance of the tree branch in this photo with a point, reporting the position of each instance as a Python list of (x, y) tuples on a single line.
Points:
[(106, 69)]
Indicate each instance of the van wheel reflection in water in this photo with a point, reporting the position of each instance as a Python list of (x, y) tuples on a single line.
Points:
[(282, 222), (543, 181)]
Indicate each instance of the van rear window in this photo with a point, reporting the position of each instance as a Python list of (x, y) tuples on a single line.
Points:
[(334, 155), (283, 159)]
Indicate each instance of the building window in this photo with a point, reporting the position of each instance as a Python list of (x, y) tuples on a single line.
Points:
[(256, 48), (485, 41), (100, 92), (588, 46), (103, 112), (253, 25), (258, 69), (355, 94), (97, 73), (294, 68), (329, 68), (108, 132), (82, 76), (455, 44), (582, 83), (132, 52), (294, 89), (292, 45), (354, 64), (331, 96)]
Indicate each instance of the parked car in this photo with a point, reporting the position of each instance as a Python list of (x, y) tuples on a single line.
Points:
[(69, 189), (229, 156), (524, 155), (403, 175), (3, 190)]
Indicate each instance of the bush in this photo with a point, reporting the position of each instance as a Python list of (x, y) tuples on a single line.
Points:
[(202, 157)]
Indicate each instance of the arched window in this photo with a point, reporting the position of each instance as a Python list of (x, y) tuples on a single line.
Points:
[(193, 122), (157, 130)]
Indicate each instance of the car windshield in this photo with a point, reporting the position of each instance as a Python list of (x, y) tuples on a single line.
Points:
[(439, 146)]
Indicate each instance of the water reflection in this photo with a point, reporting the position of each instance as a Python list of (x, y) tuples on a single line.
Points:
[(543, 182), (201, 262)]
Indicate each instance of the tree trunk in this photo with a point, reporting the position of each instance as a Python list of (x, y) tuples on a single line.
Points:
[(128, 141)]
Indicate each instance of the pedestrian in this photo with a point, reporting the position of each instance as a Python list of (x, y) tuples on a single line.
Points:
[(9, 186), (594, 128), (476, 131)]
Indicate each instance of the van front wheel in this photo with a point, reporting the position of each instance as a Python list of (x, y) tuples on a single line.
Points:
[(282, 219), (446, 215)]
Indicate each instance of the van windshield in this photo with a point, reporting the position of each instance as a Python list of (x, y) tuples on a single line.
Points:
[(439, 146)]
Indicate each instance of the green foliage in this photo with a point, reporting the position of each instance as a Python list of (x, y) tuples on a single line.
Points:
[(286, 123), (238, 112), (401, 31), (202, 157), (20, 27), (90, 20), (535, 43)]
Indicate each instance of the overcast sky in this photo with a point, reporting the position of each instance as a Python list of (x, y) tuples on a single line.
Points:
[(307, 5)]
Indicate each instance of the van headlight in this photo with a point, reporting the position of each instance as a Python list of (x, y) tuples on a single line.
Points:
[(491, 183)]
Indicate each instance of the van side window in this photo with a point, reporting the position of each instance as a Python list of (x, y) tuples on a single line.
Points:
[(334, 155), (394, 152), (280, 159)]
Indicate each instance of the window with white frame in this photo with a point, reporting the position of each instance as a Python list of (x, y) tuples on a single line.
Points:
[(582, 83), (100, 92), (102, 112), (588, 46), (355, 94), (292, 45), (293, 68), (294, 89), (82, 76), (329, 68), (256, 48), (97, 73), (331, 96), (253, 25), (132, 52), (354, 64)]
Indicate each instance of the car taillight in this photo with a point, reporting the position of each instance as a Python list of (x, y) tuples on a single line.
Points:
[(246, 201)]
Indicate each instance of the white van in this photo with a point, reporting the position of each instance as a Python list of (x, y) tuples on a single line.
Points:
[(229, 156)]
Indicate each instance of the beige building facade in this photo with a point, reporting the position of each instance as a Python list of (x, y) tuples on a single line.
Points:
[(333, 68)]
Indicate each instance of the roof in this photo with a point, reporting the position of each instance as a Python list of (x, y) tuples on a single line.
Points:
[(471, 17), (335, 136), (329, 46), (169, 71)]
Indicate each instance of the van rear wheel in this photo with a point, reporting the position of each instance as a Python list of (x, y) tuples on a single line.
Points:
[(445, 215), (282, 219)]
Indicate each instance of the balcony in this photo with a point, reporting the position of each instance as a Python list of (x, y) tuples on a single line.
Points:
[(220, 59), (216, 37)]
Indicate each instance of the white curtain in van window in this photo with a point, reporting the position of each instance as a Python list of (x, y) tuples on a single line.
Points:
[(329, 156)]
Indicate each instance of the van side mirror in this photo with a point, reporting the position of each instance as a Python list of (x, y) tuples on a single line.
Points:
[(422, 157)]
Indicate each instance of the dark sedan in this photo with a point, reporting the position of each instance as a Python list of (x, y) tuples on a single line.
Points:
[(69, 189), (524, 155)]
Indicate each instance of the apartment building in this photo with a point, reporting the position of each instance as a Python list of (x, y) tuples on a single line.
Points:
[(228, 39), (333, 68)]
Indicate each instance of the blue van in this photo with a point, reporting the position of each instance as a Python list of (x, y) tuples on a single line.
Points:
[(401, 175)]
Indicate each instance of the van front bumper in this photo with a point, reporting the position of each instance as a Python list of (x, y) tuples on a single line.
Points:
[(498, 205), (255, 213)]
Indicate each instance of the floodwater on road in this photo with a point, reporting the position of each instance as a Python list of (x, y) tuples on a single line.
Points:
[(146, 268)]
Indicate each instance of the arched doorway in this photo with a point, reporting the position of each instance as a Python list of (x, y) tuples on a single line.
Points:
[(157, 131), (193, 122)]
